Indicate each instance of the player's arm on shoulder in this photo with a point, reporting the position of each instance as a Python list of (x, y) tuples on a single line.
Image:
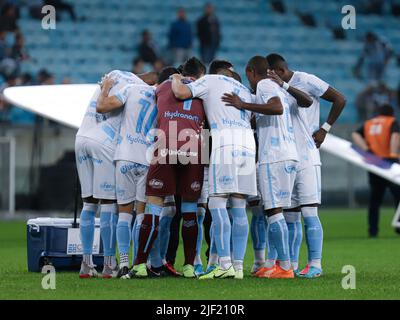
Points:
[(104, 102), (303, 99), (272, 107), (180, 90)]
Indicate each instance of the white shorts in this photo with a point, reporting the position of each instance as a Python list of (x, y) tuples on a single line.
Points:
[(204, 190), (256, 198), (96, 169), (131, 181), (232, 172), (307, 186), (276, 183)]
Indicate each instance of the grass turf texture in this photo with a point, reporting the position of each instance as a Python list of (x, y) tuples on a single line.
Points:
[(376, 262)]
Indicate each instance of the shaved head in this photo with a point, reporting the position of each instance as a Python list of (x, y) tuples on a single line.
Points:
[(259, 65), (276, 61), (279, 65)]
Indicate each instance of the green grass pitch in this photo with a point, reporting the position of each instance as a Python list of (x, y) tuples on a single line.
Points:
[(376, 262)]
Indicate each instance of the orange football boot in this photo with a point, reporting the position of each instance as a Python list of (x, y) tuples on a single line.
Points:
[(280, 273)]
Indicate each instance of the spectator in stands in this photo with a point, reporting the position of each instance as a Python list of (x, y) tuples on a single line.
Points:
[(278, 6), (18, 51), (60, 5), (209, 34), (395, 7), (381, 136), (180, 38), (374, 95), (35, 8), (3, 45), (376, 54), (26, 79), (146, 49), (138, 66), (158, 65), (44, 77), (8, 18), (5, 107), (371, 6)]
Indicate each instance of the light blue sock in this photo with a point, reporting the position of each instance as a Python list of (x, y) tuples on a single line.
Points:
[(213, 247), (200, 219), (240, 228), (278, 236), (257, 228), (135, 235), (86, 226), (222, 227), (164, 233), (108, 225), (272, 254), (154, 211), (231, 223), (155, 257), (124, 233), (313, 233), (293, 221), (164, 228)]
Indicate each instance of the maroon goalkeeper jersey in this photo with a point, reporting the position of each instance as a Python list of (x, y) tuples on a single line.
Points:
[(178, 119)]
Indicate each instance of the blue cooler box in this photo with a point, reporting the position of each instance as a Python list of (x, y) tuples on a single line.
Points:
[(53, 241)]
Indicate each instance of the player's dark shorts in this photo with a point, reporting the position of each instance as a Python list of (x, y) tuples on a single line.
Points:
[(185, 180)]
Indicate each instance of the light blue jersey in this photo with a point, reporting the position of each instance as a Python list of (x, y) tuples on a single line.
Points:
[(275, 133), (104, 128), (306, 120), (138, 119)]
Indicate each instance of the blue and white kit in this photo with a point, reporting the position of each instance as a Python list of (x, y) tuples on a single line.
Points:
[(134, 147), (232, 162), (96, 142)]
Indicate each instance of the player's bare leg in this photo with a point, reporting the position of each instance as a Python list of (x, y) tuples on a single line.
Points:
[(87, 227)]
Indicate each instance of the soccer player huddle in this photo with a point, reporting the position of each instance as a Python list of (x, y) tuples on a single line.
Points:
[(205, 138)]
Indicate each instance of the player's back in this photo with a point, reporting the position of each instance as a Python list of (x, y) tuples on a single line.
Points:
[(104, 128), (138, 119), (275, 132), (188, 116), (222, 118)]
